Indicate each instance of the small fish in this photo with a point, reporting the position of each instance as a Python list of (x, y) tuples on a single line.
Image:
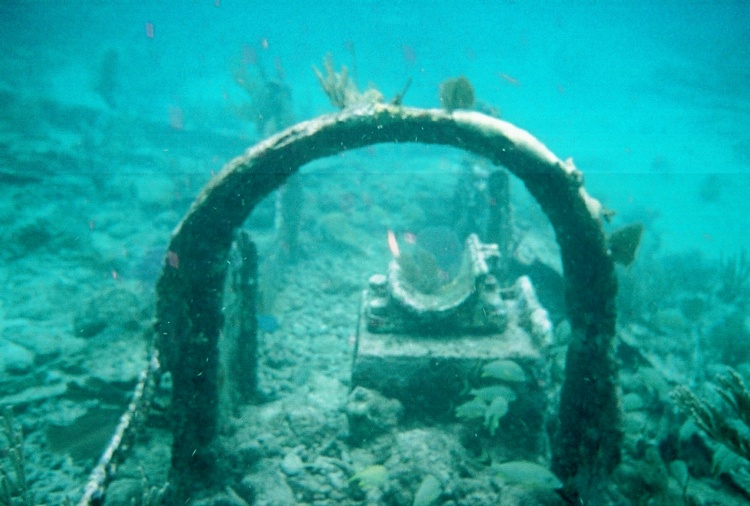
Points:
[(504, 370), (372, 477), (428, 492), (526, 473), (510, 79), (409, 55)]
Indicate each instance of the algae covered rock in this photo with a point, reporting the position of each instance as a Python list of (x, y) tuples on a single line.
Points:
[(371, 414)]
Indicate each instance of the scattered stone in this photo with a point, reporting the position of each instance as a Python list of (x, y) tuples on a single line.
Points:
[(125, 491), (307, 423), (221, 499), (115, 366), (35, 394), (370, 414), (249, 453), (269, 492), (110, 307), (15, 359), (292, 464)]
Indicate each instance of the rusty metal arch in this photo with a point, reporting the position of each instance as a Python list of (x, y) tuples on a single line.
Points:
[(189, 292)]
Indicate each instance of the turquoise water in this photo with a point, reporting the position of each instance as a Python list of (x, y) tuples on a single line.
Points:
[(114, 114), (646, 97)]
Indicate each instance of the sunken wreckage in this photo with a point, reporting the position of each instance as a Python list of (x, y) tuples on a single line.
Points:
[(587, 443)]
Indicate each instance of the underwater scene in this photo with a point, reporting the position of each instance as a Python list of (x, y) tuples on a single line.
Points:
[(374, 253)]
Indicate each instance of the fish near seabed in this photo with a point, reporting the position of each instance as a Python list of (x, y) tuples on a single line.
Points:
[(624, 243)]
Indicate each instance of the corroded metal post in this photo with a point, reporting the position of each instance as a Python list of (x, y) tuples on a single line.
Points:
[(189, 291), (500, 220), (241, 331)]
